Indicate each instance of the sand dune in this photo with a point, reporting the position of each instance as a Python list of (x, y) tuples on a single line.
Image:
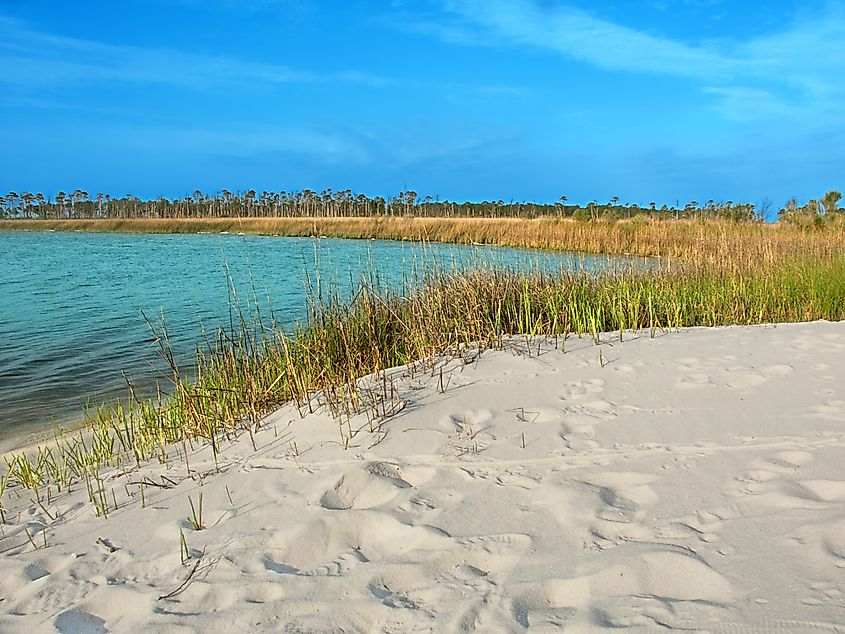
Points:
[(689, 481)]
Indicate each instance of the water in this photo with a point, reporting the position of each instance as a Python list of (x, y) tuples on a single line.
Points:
[(71, 320)]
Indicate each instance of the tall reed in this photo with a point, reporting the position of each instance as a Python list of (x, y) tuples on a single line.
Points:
[(704, 243)]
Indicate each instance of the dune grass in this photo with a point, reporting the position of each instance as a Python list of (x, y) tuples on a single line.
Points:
[(718, 275)]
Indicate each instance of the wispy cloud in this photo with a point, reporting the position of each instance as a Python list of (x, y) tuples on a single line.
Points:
[(577, 35), (32, 58), (741, 103), (790, 71), (245, 140)]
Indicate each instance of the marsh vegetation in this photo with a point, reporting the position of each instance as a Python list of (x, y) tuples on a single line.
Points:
[(711, 274)]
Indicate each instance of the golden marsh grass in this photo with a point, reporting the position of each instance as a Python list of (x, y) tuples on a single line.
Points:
[(700, 242)]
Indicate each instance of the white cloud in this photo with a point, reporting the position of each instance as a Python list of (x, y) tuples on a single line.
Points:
[(742, 104), (582, 36), (791, 72), (31, 58)]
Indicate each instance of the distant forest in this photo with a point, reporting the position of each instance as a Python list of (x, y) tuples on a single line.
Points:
[(78, 204)]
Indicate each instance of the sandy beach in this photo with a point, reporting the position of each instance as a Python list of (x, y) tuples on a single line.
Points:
[(692, 480)]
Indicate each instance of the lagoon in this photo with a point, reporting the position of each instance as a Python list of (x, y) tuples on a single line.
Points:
[(72, 325)]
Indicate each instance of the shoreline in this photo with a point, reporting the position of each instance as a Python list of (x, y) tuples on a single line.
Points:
[(653, 482), (19, 405), (34, 437), (643, 237)]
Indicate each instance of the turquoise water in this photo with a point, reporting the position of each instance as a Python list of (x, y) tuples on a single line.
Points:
[(71, 320)]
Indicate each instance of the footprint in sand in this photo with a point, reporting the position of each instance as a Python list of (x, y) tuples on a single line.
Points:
[(34, 572), (278, 567), (631, 585), (375, 484), (834, 542), (485, 557), (574, 390), (697, 374), (392, 599), (406, 587), (417, 509), (778, 370), (578, 427), (54, 597), (260, 593), (775, 481), (619, 515), (76, 621), (704, 525), (337, 544), (694, 374), (577, 432), (825, 490), (340, 566), (694, 381)]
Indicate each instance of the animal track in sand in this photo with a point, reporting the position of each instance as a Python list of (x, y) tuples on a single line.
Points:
[(340, 566), (508, 478), (598, 410), (722, 372), (493, 554), (822, 592), (831, 410), (629, 369), (791, 459), (504, 542), (693, 381), (574, 390)]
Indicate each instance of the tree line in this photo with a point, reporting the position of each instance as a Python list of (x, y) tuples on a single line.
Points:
[(78, 204)]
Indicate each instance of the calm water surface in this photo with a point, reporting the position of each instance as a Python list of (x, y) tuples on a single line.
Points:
[(71, 320)]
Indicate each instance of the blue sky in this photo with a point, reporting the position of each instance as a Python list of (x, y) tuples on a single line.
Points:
[(648, 100)]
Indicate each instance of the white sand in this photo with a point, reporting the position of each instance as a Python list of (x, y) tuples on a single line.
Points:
[(692, 481)]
